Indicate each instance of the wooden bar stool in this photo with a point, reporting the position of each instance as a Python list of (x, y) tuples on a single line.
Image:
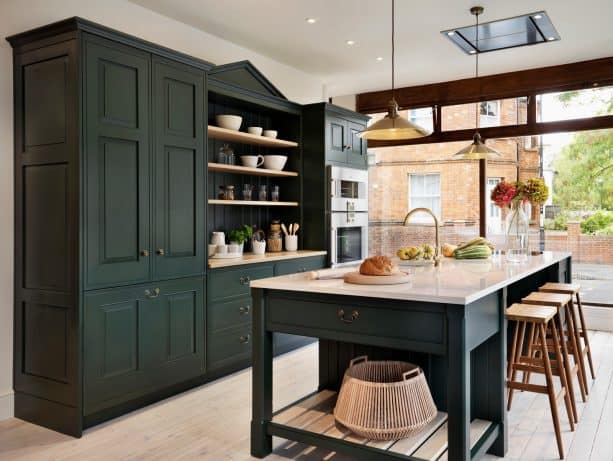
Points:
[(562, 302), (572, 289), (539, 318)]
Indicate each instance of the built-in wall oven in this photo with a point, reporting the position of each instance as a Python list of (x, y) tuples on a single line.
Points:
[(348, 215)]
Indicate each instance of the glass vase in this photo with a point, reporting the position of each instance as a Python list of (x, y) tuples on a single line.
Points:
[(516, 234)]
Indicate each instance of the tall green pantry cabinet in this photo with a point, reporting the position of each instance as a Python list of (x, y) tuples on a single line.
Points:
[(110, 172)]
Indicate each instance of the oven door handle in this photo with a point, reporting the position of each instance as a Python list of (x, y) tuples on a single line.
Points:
[(332, 188), (333, 255)]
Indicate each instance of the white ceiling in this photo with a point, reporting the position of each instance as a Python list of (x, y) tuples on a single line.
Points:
[(277, 28)]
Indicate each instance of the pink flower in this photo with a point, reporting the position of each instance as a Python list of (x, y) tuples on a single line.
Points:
[(504, 193)]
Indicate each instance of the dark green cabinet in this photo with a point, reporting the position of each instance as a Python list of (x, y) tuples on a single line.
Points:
[(117, 107), (343, 145), (138, 339), (179, 169), (356, 155), (336, 139)]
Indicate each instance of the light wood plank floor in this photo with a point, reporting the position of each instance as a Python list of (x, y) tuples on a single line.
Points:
[(212, 423)]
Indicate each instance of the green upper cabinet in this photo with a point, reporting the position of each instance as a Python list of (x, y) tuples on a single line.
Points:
[(357, 146), (117, 210), (336, 139), (178, 208)]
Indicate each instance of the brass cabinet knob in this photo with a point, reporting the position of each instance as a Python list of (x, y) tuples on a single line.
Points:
[(161, 251), (244, 310), (244, 280), (152, 293), (144, 253), (245, 339)]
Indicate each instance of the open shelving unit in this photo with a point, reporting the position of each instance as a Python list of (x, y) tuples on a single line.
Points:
[(250, 202), (224, 134), (246, 170), (313, 416)]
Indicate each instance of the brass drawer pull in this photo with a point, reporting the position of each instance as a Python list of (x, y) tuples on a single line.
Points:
[(161, 251), (341, 316), (245, 339), (244, 280), (244, 310), (144, 253), (152, 293)]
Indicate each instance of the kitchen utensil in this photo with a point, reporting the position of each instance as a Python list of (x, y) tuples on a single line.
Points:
[(229, 122), (270, 133), (291, 242), (263, 193), (252, 161), (291, 229), (284, 229), (359, 279), (218, 238), (274, 194), (221, 249), (296, 227), (259, 248), (212, 249), (327, 274), (247, 191), (256, 130), (275, 162)]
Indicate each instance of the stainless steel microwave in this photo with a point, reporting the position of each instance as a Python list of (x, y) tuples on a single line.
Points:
[(348, 189)]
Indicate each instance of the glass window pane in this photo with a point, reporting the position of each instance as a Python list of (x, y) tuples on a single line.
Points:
[(570, 105), (503, 112)]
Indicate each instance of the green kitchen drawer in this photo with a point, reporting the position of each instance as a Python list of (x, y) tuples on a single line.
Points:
[(227, 347), (422, 327), (225, 314), (230, 282), (292, 266)]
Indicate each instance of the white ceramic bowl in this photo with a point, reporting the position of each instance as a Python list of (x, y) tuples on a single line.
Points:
[(274, 162), (270, 133), (256, 130), (230, 122)]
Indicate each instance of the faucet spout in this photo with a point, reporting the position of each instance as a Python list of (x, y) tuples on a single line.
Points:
[(437, 249)]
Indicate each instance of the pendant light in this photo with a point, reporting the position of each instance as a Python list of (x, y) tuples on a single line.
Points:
[(478, 149), (393, 126)]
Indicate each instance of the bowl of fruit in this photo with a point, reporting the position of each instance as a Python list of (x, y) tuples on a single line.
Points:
[(421, 255), (477, 248)]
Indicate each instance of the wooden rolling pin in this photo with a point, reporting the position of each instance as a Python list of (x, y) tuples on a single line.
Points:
[(325, 274)]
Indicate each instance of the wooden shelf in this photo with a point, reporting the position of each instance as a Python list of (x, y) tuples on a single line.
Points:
[(250, 203), (249, 170), (216, 132), (314, 416)]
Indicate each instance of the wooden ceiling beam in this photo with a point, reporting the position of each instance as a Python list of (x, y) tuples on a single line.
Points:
[(565, 77)]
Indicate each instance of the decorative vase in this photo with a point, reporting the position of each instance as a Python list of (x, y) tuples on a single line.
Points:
[(516, 234)]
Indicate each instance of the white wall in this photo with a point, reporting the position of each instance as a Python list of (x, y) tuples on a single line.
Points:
[(21, 15)]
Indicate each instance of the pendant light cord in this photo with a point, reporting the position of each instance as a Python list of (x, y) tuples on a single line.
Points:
[(393, 51), (477, 71)]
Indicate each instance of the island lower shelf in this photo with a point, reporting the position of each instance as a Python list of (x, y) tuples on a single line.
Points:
[(312, 419)]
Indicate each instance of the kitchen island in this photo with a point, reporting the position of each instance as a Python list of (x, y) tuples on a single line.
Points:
[(448, 319)]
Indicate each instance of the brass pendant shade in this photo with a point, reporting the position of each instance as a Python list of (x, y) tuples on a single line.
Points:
[(393, 126), (478, 149)]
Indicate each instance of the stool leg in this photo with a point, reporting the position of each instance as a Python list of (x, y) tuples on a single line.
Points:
[(518, 354), (530, 350), (585, 336), (565, 366), (563, 377), (577, 348), (552, 398)]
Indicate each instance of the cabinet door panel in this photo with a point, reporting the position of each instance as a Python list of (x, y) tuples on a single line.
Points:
[(178, 108), (357, 146), (117, 163), (336, 139)]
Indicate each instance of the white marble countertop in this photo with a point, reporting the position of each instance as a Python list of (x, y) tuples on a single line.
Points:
[(453, 282)]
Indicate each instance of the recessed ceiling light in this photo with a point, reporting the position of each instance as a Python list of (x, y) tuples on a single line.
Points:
[(350, 42), (379, 58), (451, 33), (537, 16), (311, 20), (472, 51), (551, 38)]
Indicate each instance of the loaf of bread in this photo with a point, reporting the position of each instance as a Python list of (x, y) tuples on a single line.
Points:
[(378, 265)]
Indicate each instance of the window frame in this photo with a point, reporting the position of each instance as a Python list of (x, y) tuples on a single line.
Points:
[(422, 219)]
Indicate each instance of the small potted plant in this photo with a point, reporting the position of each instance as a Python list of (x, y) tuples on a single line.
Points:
[(240, 236)]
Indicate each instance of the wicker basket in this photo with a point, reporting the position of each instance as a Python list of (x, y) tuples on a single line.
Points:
[(384, 400)]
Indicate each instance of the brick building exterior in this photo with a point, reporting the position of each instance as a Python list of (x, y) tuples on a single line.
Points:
[(390, 192)]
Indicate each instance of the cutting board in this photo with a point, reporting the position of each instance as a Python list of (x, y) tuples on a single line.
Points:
[(359, 279)]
